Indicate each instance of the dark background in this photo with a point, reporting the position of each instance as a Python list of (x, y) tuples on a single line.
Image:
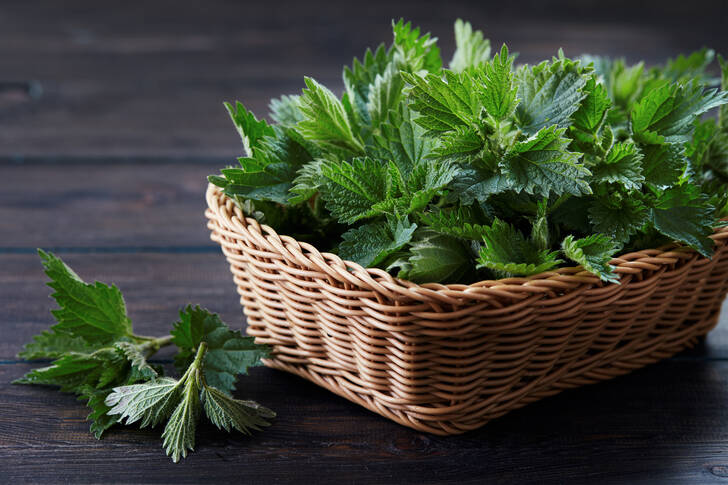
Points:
[(111, 117)]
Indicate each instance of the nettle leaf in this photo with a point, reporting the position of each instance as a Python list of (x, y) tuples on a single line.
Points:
[(550, 94), (542, 164), (307, 182), (228, 352), (463, 145), (591, 115), (622, 165), (151, 402), (618, 217), (179, 433), (471, 184), (472, 49), (508, 253), (683, 214), (663, 165), (352, 189), (96, 313), (497, 76), (99, 417), (414, 52), (687, 68), (359, 79), (286, 110), (444, 104), (404, 141), (228, 413), (426, 181), (669, 112), (135, 354), (325, 120), (593, 253), (462, 223), (251, 129), (370, 244), (436, 257), (385, 94), (52, 344)]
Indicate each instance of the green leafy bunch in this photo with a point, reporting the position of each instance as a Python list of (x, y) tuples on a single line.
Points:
[(484, 169), (97, 356)]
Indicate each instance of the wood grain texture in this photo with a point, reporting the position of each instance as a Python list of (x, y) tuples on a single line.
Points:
[(95, 203), (664, 424)]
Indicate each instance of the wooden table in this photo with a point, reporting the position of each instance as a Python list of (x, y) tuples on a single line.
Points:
[(109, 122)]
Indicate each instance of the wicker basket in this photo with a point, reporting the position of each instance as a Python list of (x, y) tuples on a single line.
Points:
[(448, 358)]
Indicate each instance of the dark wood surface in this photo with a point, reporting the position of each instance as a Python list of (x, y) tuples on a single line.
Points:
[(110, 118)]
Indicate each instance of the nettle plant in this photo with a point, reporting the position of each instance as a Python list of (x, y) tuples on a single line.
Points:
[(487, 170)]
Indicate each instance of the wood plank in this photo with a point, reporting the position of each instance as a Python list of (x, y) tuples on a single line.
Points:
[(150, 78), (90, 204), (663, 424)]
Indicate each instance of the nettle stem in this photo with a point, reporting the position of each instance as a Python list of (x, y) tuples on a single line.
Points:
[(151, 345)]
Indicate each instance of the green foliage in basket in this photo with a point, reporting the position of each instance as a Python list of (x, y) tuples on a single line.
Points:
[(485, 169)]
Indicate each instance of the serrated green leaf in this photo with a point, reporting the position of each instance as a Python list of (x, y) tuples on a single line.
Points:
[(325, 120), (470, 185), (286, 110), (618, 217), (228, 413), (179, 433), (151, 402), (687, 68), (444, 104), (462, 223), (437, 258), (352, 188), (414, 52), (52, 344), (251, 129), (471, 48), (99, 417), (593, 253), (228, 352), (499, 95), (403, 141), (463, 145), (669, 112), (372, 243), (96, 313), (683, 214), (135, 354), (663, 165), (385, 95), (508, 253), (591, 115), (550, 94), (542, 165), (622, 165)]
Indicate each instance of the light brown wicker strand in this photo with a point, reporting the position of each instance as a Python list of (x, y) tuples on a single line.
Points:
[(446, 359)]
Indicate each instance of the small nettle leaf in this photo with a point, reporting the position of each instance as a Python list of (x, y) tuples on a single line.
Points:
[(471, 184), (135, 354), (463, 145), (444, 102), (384, 95), (687, 68), (51, 344), (618, 217), (542, 164), (622, 165), (403, 141), (286, 110), (464, 223), (499, 96), (228, 352), (95, 312), (591, 115), (663, 165), (151, 402), (325, 120), (593, 253), (228, 413), (684, 214), (550, 94), (508, 253), (179, 433), (371, 244), (472, 49), (251, 129), (351, 189), (435, 257), (414, 52)]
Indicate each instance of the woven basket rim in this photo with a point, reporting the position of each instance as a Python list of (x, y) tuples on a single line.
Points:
[(306, 257)]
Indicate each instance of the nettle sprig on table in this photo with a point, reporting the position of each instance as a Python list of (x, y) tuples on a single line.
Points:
[(98, 357), (487, 170)]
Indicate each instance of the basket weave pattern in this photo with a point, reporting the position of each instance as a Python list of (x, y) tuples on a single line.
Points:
[(448, 358)]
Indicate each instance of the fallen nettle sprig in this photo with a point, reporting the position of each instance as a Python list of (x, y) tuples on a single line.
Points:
[(100, 359)]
